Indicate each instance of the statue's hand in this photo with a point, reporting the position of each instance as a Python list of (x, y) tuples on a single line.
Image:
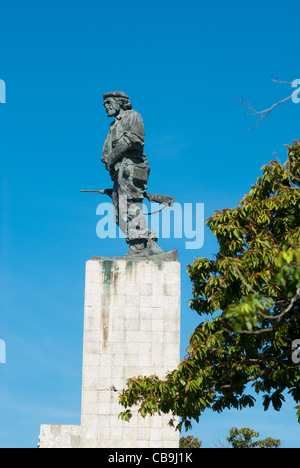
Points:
[(108, 163)]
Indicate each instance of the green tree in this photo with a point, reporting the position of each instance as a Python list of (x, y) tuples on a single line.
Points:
[(249, 297), (189, 442), (243, 438)]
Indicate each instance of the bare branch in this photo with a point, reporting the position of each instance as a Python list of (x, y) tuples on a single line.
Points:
[(277, 80), (277, 158), (284, 312), (266, 112), (250, 332)]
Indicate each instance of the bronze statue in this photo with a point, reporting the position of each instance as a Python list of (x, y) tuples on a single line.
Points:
[(124, 158)]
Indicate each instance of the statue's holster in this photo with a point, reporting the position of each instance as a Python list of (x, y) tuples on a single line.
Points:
[(136, 173)]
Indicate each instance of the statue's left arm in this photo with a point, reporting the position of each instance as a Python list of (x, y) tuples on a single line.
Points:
[(132, 139)]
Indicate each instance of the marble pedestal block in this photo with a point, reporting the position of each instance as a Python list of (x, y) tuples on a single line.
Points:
[(131, 328)]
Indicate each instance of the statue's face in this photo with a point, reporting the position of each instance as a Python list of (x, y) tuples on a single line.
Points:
[(112, 107)]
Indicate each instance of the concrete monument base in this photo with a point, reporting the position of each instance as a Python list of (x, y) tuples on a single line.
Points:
[(131, 328)]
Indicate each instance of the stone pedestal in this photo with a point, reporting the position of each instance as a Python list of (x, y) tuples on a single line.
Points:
[(131, 328)]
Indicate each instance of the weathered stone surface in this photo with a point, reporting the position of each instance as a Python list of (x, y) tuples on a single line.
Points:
[(131, 327)]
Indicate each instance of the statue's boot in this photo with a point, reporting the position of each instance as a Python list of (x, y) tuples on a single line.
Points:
[(153, 249), (137, 248), (144, 248)]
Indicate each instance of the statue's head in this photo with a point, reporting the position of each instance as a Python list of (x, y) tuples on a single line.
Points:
[(116, 101)]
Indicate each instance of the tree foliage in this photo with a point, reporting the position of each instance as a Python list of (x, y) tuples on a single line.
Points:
[(189, 442), (248, 297), (243, 438)]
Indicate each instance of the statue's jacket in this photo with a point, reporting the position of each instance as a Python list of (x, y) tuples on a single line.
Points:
[(123, 154)]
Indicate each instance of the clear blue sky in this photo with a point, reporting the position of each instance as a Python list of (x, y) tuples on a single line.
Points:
[(184, 65)]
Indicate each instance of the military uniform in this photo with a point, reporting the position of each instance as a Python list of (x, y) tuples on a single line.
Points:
[(124, 157)]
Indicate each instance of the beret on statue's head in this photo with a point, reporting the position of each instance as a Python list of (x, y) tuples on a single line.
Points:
[(115, 94)]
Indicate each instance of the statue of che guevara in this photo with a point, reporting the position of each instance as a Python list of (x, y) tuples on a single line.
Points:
[(124, 158)]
